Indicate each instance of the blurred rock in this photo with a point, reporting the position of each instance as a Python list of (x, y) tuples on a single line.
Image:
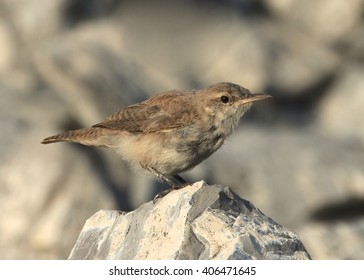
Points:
[(297, 63), (34, 199), (353, 46), (7, 47), (33, 20), (82, 69), (40, 217), (334, 240), (207, 43), (326, 20), (341, 113), (196, 222)]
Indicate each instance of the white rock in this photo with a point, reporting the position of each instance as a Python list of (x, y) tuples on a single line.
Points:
[(196, 222)]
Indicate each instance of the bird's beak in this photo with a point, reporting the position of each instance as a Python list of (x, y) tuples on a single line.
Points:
[(254, 97)]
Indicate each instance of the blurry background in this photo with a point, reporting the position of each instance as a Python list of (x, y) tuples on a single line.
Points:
[(299, 157)]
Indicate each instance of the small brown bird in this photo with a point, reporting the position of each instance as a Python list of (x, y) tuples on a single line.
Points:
[(172, 132)]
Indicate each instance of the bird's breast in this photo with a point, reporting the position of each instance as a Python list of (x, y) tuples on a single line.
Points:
[(197, 141)]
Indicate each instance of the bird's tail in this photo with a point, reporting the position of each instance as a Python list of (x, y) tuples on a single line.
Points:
[(92, 136)]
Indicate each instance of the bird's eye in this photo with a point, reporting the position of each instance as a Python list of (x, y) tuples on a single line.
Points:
[(224, 99)]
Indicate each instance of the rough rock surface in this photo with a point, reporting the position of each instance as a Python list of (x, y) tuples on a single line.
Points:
[(196, 222)]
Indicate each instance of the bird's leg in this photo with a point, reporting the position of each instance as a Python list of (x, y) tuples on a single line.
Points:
[(177, 183), (180, 179), (160, 176)]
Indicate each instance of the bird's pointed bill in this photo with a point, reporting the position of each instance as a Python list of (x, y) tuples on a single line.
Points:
[(254, 97)]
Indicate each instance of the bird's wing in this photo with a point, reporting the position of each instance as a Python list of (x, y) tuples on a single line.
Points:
[(160, 113)]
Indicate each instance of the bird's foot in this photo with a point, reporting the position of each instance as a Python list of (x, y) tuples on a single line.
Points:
[(175, 182), (167, 191)]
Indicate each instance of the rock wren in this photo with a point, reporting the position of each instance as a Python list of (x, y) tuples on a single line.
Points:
[(172, 132)]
